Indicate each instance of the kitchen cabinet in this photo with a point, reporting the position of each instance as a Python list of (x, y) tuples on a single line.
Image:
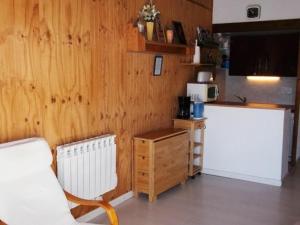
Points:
[(196, 142), (267, 55), (160, 161), (247, 142)]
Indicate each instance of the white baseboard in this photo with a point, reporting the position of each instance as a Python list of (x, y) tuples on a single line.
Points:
[(238, 176), (97, 212)]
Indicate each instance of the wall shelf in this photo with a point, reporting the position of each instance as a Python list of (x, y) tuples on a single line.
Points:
[(195, 156), (136, 42), (197, 169), (196, 144), (201, 67)]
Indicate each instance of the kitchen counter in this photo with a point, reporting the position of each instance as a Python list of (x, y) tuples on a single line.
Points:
[(254, 105), (248, 141)]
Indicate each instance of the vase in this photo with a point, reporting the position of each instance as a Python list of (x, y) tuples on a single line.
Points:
[(150, 27), (170, 36), (141, 27)]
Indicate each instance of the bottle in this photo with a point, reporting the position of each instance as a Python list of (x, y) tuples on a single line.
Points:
[(192, 109), (196, 59), (198, 109)]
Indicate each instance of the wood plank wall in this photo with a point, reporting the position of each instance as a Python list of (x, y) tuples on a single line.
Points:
[(65, 74)]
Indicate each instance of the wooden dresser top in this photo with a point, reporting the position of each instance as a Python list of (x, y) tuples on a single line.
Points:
[(160, 134)]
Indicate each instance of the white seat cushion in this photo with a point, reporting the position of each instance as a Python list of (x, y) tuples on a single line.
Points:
[(29, 191), (20, 158)]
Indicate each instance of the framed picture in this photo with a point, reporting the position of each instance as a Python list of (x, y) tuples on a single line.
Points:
[(158, 62), (179, 36), (159, 31)]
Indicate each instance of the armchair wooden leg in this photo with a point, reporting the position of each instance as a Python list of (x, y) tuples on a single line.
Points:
[(110, 211)]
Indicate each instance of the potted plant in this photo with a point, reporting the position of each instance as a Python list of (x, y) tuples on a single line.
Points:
[(149, 13)]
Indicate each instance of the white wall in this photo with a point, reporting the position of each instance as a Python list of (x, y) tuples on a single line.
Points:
[(233, 11)]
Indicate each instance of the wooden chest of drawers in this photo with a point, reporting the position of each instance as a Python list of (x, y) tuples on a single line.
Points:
[(160, 161)]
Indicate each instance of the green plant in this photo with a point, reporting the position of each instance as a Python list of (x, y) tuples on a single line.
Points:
[(149, 12)]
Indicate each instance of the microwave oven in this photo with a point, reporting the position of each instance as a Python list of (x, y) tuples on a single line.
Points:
[(205, 92)]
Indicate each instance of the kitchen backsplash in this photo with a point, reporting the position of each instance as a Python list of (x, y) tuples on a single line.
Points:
[(280, 92)]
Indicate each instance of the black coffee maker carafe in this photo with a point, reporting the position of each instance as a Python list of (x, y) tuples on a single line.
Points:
[(184, 107)]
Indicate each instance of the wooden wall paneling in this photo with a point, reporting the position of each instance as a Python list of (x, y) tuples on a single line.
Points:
[(66, 63), (203, 3), (20, 114), (66, 74)]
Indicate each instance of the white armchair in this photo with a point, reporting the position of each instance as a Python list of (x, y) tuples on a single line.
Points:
[(29, 191)]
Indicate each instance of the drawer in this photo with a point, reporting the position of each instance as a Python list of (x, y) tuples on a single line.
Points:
[(141, 148), (142, 181), (142, 162)]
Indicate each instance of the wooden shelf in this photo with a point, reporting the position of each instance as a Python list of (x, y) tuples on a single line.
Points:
[(201, 67), (136, 42), (196, 144), (195, 156), (196, 169), (192, 125)]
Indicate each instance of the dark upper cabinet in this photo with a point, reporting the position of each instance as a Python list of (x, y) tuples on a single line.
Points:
[(264, 55)]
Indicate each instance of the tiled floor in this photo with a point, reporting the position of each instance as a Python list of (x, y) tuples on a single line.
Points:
[(210, 200)]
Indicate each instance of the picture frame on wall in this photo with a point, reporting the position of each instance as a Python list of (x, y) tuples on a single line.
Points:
[(158, 63), (179, 35), (159, 31)]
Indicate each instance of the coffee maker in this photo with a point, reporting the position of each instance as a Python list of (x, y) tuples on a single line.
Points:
[(184, 107)]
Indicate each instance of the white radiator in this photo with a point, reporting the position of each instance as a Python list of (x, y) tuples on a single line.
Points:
[(87, 169)]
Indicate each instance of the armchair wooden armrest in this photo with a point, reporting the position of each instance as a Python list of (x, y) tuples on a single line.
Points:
[(110, 211), (112, 216)]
